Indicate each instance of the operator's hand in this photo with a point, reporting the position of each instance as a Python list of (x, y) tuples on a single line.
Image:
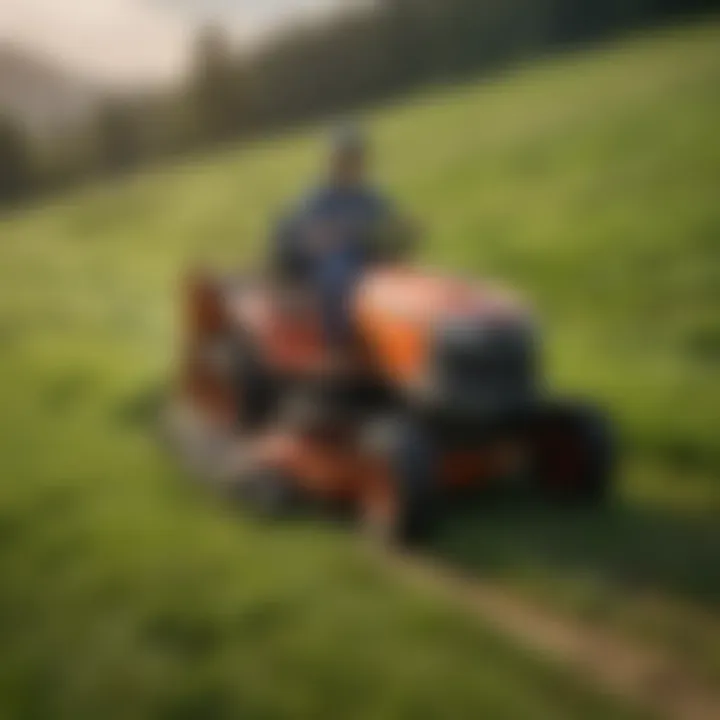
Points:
[(397, 238)]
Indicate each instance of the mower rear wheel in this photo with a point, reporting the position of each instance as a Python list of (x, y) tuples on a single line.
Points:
[(399, 504), (573, 455)]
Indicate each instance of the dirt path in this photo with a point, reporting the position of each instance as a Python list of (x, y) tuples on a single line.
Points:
[(607, 660), (640, 675)]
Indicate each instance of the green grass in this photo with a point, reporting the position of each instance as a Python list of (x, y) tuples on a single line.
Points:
[(592, 183)]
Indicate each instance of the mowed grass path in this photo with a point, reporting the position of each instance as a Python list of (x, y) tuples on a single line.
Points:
[(592, 183)]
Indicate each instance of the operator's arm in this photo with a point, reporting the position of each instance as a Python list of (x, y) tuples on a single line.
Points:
[(394, 235)]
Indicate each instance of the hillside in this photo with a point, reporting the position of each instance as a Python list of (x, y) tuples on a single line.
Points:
[(591, 182)]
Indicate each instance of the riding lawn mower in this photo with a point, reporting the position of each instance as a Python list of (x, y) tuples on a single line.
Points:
[(442, 396)]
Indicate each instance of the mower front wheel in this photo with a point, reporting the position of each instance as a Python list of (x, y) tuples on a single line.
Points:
[(398, 504)]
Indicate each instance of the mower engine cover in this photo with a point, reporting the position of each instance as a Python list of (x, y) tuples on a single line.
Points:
[(466, 349)]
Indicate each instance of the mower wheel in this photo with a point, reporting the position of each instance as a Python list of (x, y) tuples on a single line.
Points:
[(252, 384), (399, 504), (573, 454)]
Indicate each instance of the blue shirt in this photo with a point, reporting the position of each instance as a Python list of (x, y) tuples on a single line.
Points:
[(347, 218)]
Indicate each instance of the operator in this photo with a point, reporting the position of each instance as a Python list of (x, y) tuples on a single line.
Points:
[(337, 231)]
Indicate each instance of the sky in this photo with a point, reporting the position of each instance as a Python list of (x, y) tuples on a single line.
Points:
[(135, 41)]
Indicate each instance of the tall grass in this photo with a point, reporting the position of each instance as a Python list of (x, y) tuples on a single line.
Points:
[(591, 183)]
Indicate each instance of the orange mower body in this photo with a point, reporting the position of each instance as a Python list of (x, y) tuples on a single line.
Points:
[(441, 395)]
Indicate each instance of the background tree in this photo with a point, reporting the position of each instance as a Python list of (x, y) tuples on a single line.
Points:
[(367, 52), (218, 86), (15, 161), (119, 139)]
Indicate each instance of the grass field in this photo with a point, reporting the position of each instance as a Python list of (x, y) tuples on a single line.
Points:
[(593, 183)]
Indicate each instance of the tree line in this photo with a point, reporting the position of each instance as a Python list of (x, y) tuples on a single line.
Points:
[(363, 55)]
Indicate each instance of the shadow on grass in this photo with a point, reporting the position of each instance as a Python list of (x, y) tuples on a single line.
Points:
[(623, 547)]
